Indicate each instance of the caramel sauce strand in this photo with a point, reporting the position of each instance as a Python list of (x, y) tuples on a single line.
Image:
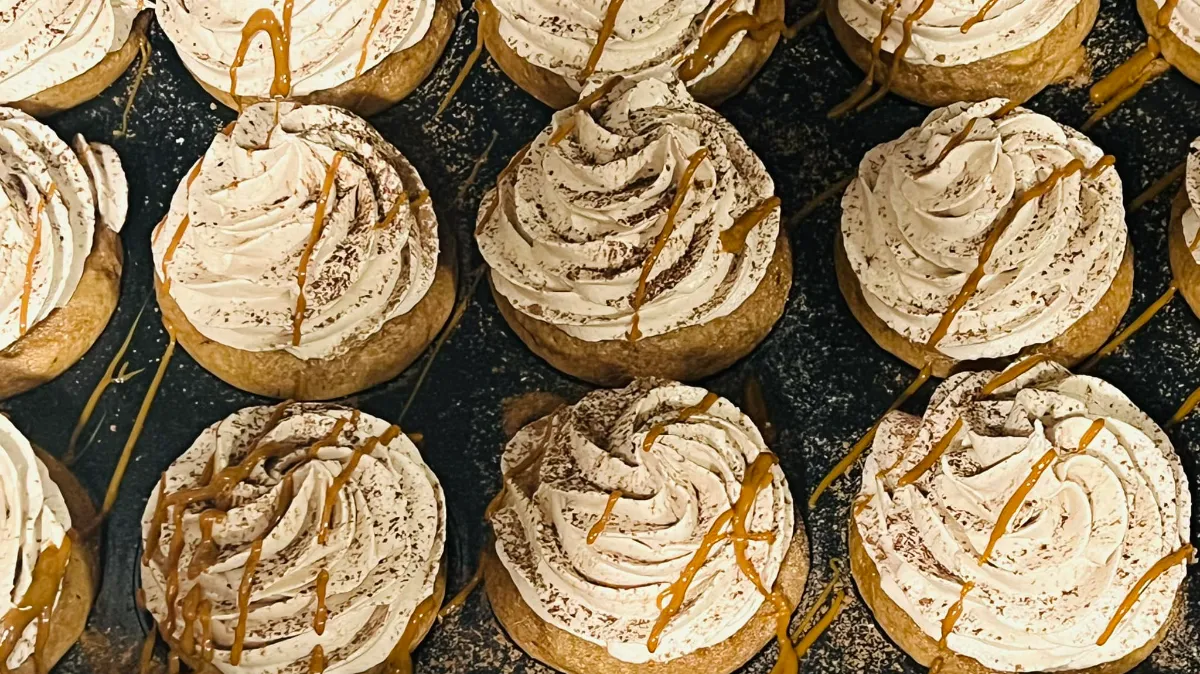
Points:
[(1089, 435), (715, 38), (864, 88), (316, 661), (1015, 502), (146, 659), (865, 441), (343, 478), (314, 238), (366, 48), (1137, 324), (754, 402), (936, 453), (1155, 68), (1125, 74), (243, 601), (657, 430), (598, 528), (834, 583), (1158, 187), (177, 237), (835, 609), (606, 31), (31, 262), (460, 599), (953, 614), (584, 105), (145, 51), (978, 18), (399, 661), (321, 615), (733, 240), (898, 55), (681, 192), (819, 200), (484, 9), (1011, 374), (280, 34), (955, 141), (1184, 410), (47, 578), (1160, 567)]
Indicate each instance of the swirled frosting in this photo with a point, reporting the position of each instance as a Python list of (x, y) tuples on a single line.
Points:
[(44, 43), (51, 201), (649, 36), (1095, 521), (1191, 220), (36, 518), (568, 230), (607, 591), (382, 553), (938, 38), (242, 220), (331, 42), (913, 239)]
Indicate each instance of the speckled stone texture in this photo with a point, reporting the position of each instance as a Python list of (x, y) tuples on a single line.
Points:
[(825, 380)]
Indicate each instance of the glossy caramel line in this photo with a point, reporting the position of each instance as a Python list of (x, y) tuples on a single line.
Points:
[(898, 55), (1185, 409), (484, 9), (47, 578), (512, 165), (733, 240), (243, 601), (1137, 324), (280, 34), (864, 88), (94, 399), (399, 661), (1160, 567), (931, 458), (343, 478), (714, 39), (584, 105), (1089, 435), (316, 661), (31, 263), (1012, 373), (681, 192), (473, 582), (314, 237), (366, 48), (961, 137), (1010, 509), (656, 431), (953, 614), (978, 18), (599, 526), (321, 615), (606, 30)]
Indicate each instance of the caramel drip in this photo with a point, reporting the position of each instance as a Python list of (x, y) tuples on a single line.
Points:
[(1089, 435), (191, 610), (606, 31), (685, 185), (1011, 374), (366, 48), (31, 263), (393, 212), (864, 88), (733, 240), (584, 105), (343, 478), (172, 663), (484, 9), (953, 614), (322, 613), (717, 13), (1160, 567), (1127, 80), (865, 441), (243, 599), (1185, 409), (146, 659), (715, 39), (48, 574), (280, 33), (989, 244), (835, 608), (473, 582), (898, 56), (206, 552), (975, 20), (1158, 187), (495, 204), (961, 137), (41, 639), (936, 453), (177, 238), (400, 659), (314, 237), (105, 380), (835, 582), (862, 503), (1016, 501), (599, 526), (174, 552), (206, 641), (1137, 324), (316, 662), (686, 413)]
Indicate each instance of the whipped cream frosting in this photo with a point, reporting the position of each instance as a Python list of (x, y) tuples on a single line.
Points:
[(937, 37), (51, 201), (242, 219), (36, 517), (1191, 220), (328, 39), (568, 230), (44, 43), (1093, 524), (606, 592), (649, 36), (913, 239), (382, 554)]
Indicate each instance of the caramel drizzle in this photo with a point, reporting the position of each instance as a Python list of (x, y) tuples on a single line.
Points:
[(48, 574), (343, 478), (400, 659), (366, 48), (685, 185), (484, 9), (803, 644), (860, 92), (314, 237), (1011, 374), (1016, 501), (932, 457), (599, 526), (606, 31), (316, 662), (1185, 409), (975, 20), (402, 201), (1158, 187), (206, 552), (265, 21), (953, 614), (715, 39), (321, 615), (31, 263), (41, 639), (1089, 435), (733, 240), (656, 431), (584, 105), (105, 380), (856, 102), (754, 403), (177, 237), (1181, 555), (239, 633), (1137, 324), (495, 203), (473, 582), (1128, 78), (961, 137)]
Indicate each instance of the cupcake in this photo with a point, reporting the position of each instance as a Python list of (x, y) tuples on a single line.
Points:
[(364, 55), (303, 537), (1031, 520), (646, 529), (987, 232), (56, 55), (61, 209), (637, 235), (1183, 236), (969, 51), (301, 257), (552, 49), (50, 570)]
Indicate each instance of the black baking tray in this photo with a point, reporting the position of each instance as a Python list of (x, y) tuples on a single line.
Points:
[(825, 380)]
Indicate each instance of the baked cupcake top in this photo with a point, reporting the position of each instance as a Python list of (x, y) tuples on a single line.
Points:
[(33, 534), (330, 42), (914, 224), (632, 215), (595, 564), (648, 36), (44, 43), (288, 529), (955, 34), (1054, 497), (52, 199), (1191, 220), (304, 231)]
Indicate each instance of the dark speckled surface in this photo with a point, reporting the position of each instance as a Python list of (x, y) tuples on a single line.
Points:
[(824, 378)]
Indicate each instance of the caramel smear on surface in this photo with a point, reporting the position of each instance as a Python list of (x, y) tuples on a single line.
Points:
[(656, 431), (602, 523), (105, 380), (314, 237), (681, 192), (948, 624), (400, 659), (1137, 324), (280, 33), (1182, 555), (484, 9), (1157, 188)]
